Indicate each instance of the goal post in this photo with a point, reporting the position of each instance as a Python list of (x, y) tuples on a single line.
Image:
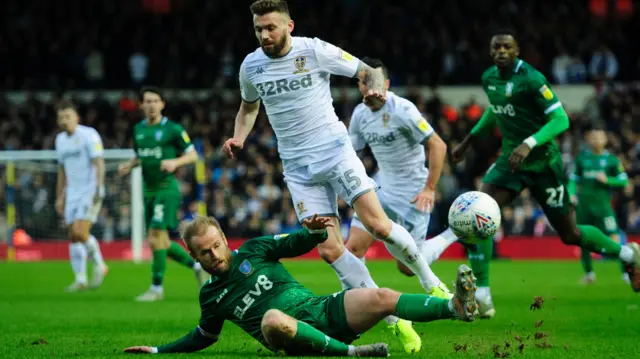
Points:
[(30, 183)]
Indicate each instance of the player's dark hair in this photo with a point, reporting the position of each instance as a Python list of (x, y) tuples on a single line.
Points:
[(505, 31), (376, 63), (262, 7), (151, 89), (65, 105), (595, 126)]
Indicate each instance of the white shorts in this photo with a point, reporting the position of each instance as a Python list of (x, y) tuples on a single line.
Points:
[(399, 209), (315, 188), (81, 210)]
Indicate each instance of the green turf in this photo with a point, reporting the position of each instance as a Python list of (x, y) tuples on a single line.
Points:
[(601, 321)]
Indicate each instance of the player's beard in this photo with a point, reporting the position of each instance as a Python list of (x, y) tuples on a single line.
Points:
[(276, 47)]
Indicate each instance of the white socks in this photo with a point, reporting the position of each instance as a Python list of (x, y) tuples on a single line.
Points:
[(157, 288), (93, 250), (402, 246), (483, 294), (354, 274), (78, 258), (434, 247), (626, 254)]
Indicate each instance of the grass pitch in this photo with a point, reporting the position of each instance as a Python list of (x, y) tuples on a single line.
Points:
[(39, 320)]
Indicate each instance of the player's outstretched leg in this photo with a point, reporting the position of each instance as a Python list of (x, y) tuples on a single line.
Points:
[(398, 242), (354, 274), (366, 307), (594, 240), (359, 241), (480, 255), (587, 265), (284, 333)]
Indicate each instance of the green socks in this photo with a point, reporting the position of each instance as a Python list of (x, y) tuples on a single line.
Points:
[(180, 255), (594, 240), (480, 255), (586, 260), (158, 266), (310, 340), (422, 308)]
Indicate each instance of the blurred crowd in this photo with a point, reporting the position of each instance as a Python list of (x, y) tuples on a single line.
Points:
[(200, 43), (248, 195), (123, 44)]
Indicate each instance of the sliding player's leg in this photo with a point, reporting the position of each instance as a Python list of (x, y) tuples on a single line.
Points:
[(549, 190), (284, 333), (364, 308)]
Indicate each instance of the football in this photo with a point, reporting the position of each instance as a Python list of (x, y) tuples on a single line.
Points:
[(474, 215)]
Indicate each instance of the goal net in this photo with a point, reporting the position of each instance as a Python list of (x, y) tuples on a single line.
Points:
[(29, 213)]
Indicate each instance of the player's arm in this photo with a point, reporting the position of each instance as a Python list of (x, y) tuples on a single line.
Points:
[(96, 152), (61, 182), (619, 178), (437, 154), (183, 143), (557, 119), (249, 107), (294, 244), (196, 340), (487, 122), (336, 61)]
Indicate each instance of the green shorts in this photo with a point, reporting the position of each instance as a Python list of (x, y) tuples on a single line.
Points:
[(327, 314), (548, 186), (161, 211), (603, 218)]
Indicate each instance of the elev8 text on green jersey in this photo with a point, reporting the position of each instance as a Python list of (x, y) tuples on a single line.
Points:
[(256, 282), (155, 143), (520, 102)]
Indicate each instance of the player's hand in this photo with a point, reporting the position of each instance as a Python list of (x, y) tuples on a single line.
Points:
[(168, 166), (124, 169), (315, 222), (139, 350), (574, 200), (457, 154), (375, 99), (231, 146), (518, 156), (424, 200), (602, 178), (60, 206)]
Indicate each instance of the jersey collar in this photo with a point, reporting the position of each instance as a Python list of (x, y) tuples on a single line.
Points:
[(162, 122), (517, 65)]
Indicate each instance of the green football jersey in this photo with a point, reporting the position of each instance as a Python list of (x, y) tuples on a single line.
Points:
[(593, 194), (154, 143), (256, 282), (520, 101)]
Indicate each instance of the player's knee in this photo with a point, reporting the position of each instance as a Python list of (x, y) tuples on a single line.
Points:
[(158, 240), (386, 300), (356, 248), (276, 327), (379, 227), (571, 237), (404, 269)]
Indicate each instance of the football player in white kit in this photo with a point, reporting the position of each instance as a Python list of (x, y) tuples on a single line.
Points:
[(80, 191), (398, 134), (290, 75)]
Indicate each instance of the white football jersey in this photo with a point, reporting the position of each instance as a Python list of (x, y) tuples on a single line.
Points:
[(75, 153), (296, 95), (396, 134)]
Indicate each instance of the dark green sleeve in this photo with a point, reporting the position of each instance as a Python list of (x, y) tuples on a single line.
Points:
[(287, 245), (619, 178), (486, 123), (196, 340), (182, 140)]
